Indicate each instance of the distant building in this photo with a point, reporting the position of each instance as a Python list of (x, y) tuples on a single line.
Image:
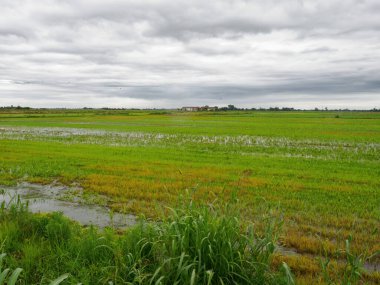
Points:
[(196, 109), (190, 109)]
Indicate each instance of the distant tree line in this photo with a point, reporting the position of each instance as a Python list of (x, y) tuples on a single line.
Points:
[(15, 108), (215, 109)]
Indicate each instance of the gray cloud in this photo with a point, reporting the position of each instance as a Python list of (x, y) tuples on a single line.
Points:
[(135, 53)]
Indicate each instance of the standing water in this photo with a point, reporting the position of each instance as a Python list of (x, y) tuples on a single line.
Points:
[(49, 198)]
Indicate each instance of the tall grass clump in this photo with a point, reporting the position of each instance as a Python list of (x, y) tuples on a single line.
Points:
[(209, 245)]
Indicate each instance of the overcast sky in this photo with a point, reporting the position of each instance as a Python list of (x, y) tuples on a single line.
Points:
[(76, 53)]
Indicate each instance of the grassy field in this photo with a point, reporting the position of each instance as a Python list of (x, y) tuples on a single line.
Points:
[(320, 170)]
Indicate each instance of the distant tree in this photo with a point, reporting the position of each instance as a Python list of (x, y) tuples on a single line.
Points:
[(287, 109)]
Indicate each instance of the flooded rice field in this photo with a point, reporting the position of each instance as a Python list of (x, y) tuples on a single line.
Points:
[(59, 198), (306, 148)]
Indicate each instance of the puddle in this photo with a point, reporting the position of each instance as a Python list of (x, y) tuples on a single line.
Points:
[(49, 198)]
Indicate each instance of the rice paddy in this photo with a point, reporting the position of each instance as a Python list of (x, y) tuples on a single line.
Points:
[(320, 171)]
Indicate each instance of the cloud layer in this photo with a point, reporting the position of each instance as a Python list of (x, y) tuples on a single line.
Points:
[(77, 53)]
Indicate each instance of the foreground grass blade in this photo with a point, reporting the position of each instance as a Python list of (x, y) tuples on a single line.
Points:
[(3, 276), (59, 279), (14, 276)]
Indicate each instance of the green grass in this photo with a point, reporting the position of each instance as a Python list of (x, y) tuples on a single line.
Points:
[(193, 245), (323, 172)]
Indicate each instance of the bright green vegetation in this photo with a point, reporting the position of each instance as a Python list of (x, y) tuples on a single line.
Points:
[(194, 245), (12, 277), (321, 169)]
